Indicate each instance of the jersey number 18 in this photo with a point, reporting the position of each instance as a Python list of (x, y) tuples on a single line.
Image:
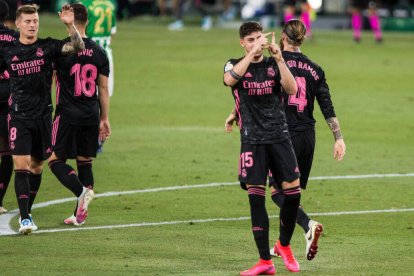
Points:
[(85, 79)]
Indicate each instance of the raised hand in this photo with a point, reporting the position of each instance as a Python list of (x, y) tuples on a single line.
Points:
[(66, 15), (274, 49), (260, 44)]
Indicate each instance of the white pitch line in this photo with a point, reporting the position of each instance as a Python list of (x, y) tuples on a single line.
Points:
[(161, 223), (5, 219)]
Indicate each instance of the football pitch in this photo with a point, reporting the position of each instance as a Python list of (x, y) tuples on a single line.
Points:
[(168, 202)]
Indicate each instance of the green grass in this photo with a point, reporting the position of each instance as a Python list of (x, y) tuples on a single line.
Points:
[(167, 116)]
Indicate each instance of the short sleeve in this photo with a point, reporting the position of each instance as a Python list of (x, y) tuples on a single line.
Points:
[(229, 65), (104, 65)]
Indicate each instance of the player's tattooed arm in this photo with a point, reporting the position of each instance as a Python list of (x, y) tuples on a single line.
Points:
[(339, 146), (333, 124), (76, 43)]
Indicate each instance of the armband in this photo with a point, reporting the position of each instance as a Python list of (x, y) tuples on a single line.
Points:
[(235, 75)]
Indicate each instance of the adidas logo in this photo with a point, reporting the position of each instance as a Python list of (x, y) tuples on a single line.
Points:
[(248, 75), (15, 58)]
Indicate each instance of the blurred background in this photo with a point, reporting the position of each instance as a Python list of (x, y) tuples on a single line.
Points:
[(333, 14)]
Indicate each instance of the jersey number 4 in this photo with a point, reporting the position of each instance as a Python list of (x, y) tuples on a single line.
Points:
[(299, 99), (85, 79)]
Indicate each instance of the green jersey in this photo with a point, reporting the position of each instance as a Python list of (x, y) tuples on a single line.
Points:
[(102, 20)]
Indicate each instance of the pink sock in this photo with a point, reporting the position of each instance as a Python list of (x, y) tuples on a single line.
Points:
[(288, 16), (375, 26), (306, 20), (356, 25)]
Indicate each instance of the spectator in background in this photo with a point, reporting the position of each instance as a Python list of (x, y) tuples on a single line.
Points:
[(289, 10), (356, 9), (124, 6), (229, 11), (204, 6)]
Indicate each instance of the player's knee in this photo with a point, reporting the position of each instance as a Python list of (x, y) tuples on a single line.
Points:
[(55, 162), (257, 196), (289, 185), (292, 196), (21, 162), (278, 197)]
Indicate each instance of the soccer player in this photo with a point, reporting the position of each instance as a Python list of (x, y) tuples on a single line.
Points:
[(101, 28), (290, 10), (81, 116), (299, 108), (256, 82), (6, 166), (357, 6), (29, 60)]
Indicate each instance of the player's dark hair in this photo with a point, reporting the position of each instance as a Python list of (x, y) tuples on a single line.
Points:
[(295, 32), (249, 27), (26, 9), (80, 13), (4, 11)]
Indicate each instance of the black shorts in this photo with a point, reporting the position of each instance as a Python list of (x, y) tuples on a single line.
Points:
[(257, 160), (31, 137), (304, 146), (69, 141)]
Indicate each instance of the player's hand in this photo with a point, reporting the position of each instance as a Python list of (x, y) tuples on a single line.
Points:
[(228, 125), (260, 44), (339, 149), (274, 49), (66, 15), (104, 130)]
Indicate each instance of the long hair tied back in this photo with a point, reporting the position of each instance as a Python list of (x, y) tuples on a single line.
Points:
[(295, 31)]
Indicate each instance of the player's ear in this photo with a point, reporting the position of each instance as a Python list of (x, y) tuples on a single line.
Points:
[(242, 43)]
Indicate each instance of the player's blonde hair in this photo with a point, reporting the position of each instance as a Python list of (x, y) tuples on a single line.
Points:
[(26, 9), (295, 32)]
